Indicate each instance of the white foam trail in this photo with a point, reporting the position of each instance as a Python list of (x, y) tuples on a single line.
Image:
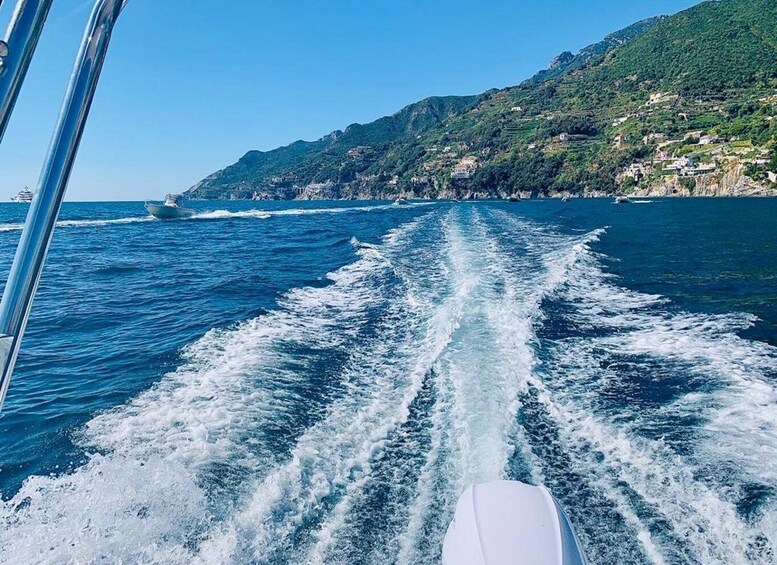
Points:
[(625, 454), (228, 215), (342, 447), (111, 222), (740, 410), (85, 223), (443, 324), (618, 461), (265, 214), (112, 509), (211, 413), (472, 414), (705, 521), (481, 375)]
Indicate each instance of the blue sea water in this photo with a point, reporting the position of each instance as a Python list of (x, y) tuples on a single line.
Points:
[(318, 382)]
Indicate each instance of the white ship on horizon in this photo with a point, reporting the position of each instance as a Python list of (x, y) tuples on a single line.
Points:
[(24, 196)]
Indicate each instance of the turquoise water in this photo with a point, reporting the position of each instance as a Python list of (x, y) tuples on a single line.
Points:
[(318, 382)]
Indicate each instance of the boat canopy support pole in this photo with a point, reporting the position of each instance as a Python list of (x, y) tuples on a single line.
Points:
[(38, 229), (16, 51)]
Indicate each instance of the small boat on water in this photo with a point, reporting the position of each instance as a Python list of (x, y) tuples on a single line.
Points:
[(24, 196), (401, 202), (514, 198), (622, 200), (170, 210)]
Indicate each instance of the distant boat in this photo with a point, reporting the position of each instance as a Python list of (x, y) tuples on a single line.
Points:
[(514, 198), (566, 199), (170, 210), (401, 202), (24, 196), (623, 200)]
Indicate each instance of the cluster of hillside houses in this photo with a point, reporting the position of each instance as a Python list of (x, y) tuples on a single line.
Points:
[(664, 160), (465, 168)]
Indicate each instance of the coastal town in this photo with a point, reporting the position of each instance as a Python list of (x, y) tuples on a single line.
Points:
[(697, 160)]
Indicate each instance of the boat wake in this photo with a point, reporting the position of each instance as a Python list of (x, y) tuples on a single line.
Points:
[(265, 214), (469, 345), (85, 223), (218, 215)]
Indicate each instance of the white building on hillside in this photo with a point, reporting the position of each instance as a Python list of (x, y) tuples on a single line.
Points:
[(465, 168)]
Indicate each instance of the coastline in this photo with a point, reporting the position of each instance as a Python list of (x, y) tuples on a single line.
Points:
[(557, 196)]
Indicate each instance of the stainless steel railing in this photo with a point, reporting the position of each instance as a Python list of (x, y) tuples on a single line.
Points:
[(17, 50), (44, 210)]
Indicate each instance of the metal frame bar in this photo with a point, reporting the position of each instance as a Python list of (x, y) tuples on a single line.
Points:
[(44, 210), (20, 39)]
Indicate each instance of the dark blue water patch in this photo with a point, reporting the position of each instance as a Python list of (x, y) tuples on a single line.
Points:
[(557, 321), (319, 384), (753, 498), (681, 248)]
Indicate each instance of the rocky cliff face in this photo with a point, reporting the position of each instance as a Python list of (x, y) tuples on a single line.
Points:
[(732, 182), (561, 60)]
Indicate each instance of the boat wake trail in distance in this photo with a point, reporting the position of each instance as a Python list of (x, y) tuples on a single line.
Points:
[(468, 345), (260, 214)]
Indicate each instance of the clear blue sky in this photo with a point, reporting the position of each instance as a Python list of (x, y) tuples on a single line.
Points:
[(191, 85)]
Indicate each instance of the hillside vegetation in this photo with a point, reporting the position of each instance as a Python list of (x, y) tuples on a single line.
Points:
[(671, 105)]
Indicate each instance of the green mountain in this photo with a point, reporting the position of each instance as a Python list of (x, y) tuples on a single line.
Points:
[(567, 62), (671, 105), (321, 161)]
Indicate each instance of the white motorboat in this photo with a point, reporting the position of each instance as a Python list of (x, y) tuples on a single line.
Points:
[(622, 200), (401, 202), (24, 196), (170, 209)]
